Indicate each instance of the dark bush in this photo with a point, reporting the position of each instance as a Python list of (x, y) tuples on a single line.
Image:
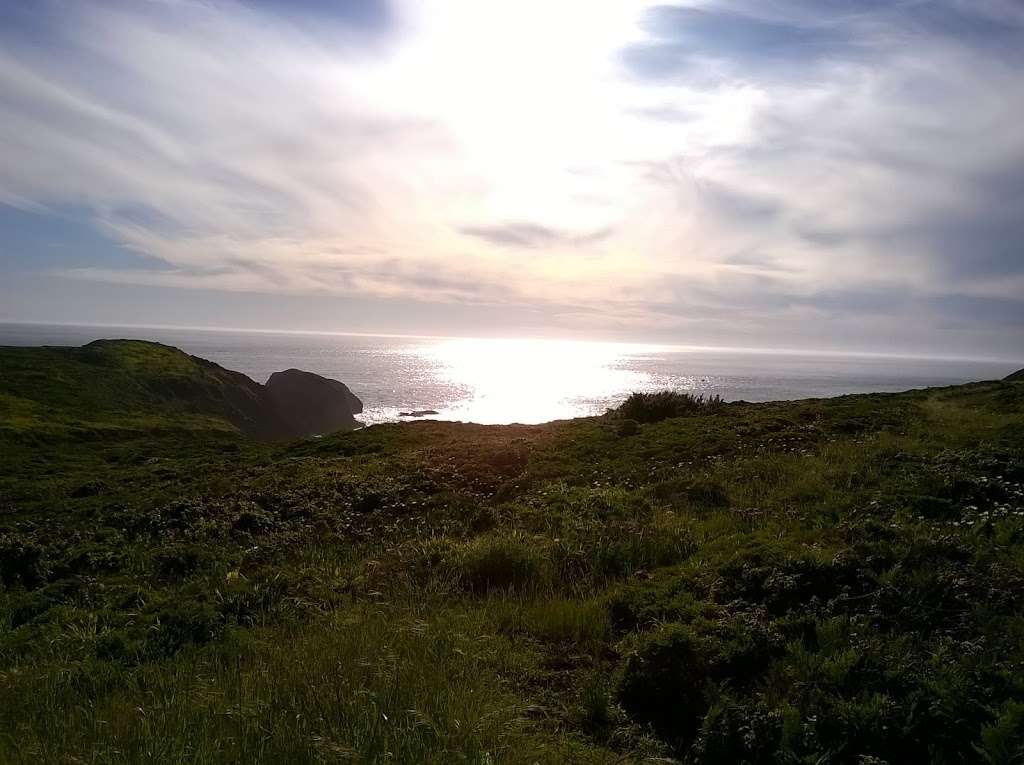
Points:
[(733, 733), (789, 580), (1002, 741), (931, 507), (654, 407), (89, 559), (21, 562), (89, 489), (665, 679), (369, 502), (179, 561), (661, 682), (254, 521), (26, 606), (707, 494), (666, 596), (500, 563), (116, 646), (196, 624)]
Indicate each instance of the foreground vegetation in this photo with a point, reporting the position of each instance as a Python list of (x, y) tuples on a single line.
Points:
[(835, 581)]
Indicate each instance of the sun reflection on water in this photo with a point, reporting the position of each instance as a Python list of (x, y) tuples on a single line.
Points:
[(531, 381), (534, 381)]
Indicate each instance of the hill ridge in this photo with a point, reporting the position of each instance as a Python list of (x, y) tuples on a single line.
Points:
[(123, 378)]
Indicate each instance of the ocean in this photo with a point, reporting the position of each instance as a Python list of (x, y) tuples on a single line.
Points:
[(528, 381)]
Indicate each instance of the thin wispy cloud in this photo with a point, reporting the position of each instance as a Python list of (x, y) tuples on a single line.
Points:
[(705, 170), (533, 235)]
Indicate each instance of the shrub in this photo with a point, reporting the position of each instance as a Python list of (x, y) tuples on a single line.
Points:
[(89, 489), (628, 428), (89, 559), (737, 733), (180, 561), (119, 647), (24, 607), (501, 563), (667, 677), (1002, 742), (21, 562), (189, 624), (654, 407), (254, 522), (785, 580), (661, 682)]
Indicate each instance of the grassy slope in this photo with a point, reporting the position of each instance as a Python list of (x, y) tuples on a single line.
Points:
[(820, 581), (117, 389)]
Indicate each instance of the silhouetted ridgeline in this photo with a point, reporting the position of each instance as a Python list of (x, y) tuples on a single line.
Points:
[(1017, 376), (114, 381)]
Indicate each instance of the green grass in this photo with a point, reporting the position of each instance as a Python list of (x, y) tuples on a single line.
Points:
[(362, 684), (118, 389), (836, 581)]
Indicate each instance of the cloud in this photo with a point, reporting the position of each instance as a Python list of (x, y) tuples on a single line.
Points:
[(788, 38), (727, 166), (217, 139), (901, 164), (247, 154), (532, 235), (368, 16), (680, 37)]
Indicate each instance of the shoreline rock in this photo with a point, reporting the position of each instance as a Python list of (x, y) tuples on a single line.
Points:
[(307, 404)]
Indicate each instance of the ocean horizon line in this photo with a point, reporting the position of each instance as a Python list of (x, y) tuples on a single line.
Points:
[(648, 346)]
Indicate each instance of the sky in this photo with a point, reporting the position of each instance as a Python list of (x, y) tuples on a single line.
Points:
[(834, 174)]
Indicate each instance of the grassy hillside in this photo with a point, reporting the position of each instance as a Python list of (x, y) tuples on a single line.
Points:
[(835, 581), (111, 386), (130, 388)]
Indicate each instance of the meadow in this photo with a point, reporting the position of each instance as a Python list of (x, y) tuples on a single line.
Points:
[(681, 580)]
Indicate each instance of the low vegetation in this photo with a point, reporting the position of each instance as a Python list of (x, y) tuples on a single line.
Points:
[(661, 405), (835, 581)]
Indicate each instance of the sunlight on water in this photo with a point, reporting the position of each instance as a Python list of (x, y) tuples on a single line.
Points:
[(527, 381), (532, 381)]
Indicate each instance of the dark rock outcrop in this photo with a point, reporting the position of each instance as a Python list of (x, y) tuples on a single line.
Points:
[(1017, 376), (307, 404)]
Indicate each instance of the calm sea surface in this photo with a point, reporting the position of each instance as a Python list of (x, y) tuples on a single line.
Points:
[(527, 381)]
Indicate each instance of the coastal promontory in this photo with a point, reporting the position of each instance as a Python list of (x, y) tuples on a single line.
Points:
[(109, 385)]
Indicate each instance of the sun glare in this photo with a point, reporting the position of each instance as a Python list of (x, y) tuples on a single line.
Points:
[(527, 93), (531, 381)]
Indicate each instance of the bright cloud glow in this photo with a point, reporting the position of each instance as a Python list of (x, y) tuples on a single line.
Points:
[(709, 172)]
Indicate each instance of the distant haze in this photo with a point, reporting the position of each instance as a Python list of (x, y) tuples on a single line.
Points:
[(827, 174)]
